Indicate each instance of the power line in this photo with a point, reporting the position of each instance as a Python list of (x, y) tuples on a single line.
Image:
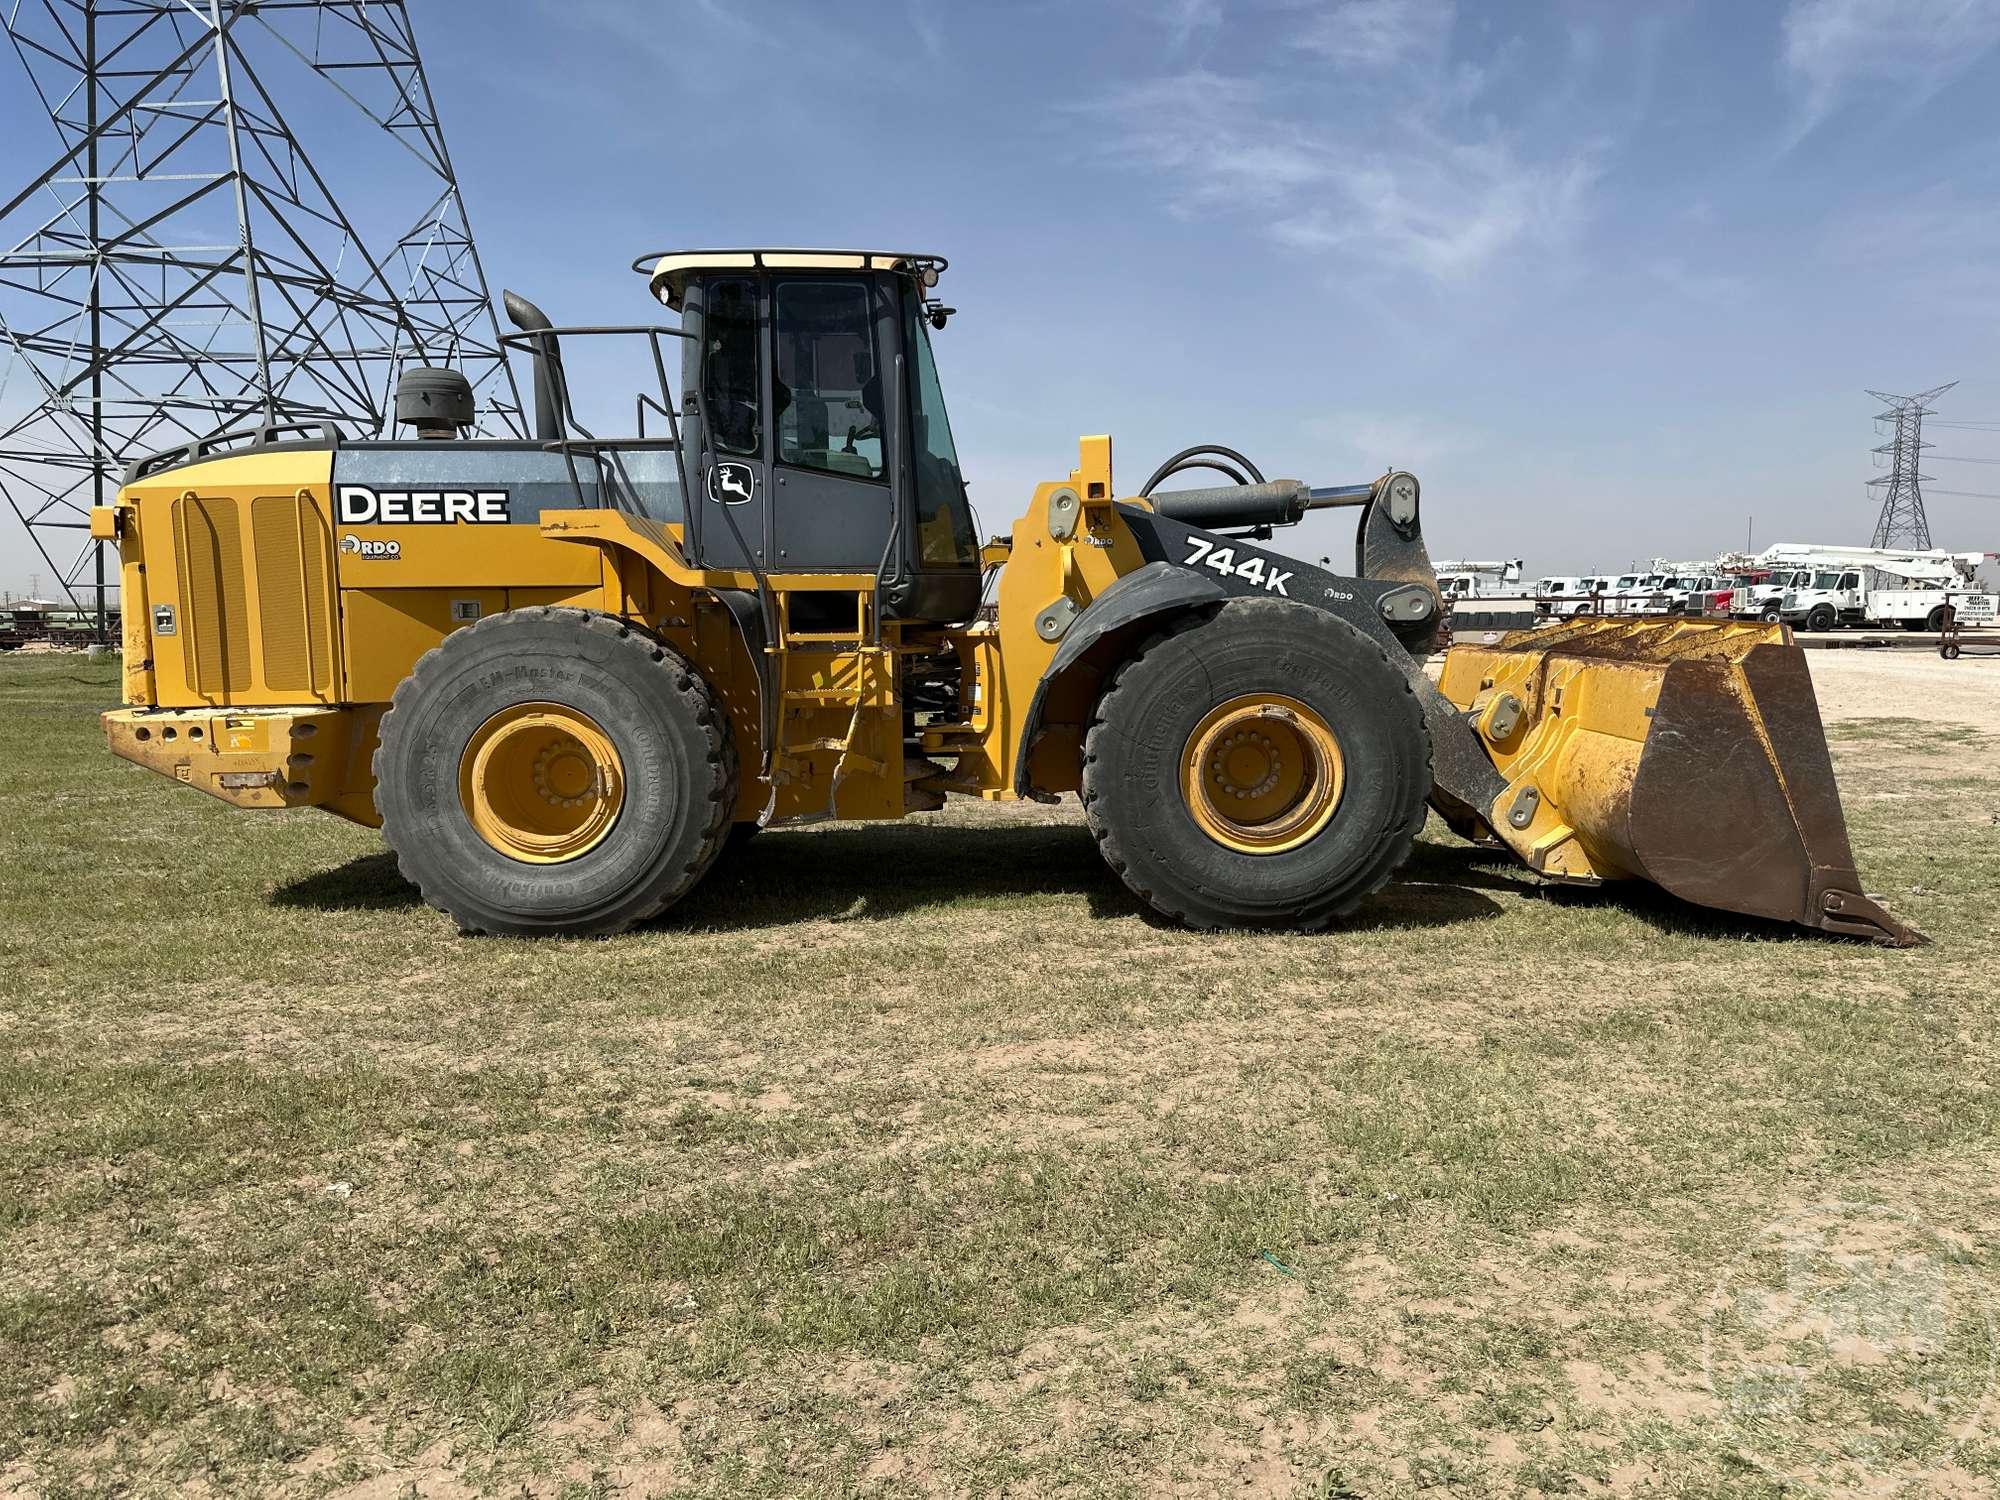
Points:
[(1902, 522), (181, 268), (1967, 494)]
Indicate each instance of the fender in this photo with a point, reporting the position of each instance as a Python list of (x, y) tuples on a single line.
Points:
[(1149, 593), (1461, 769)]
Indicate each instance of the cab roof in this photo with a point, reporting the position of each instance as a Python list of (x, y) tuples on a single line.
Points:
[(668, 270)]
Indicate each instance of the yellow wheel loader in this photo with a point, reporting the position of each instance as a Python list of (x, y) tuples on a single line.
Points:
[(562, 674)]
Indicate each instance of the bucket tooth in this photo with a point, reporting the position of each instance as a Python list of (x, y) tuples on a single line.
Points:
[(1687, 753)]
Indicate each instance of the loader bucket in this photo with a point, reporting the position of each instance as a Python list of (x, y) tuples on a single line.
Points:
[(1688, 753)]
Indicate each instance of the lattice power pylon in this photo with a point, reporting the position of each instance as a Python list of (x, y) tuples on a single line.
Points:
[(1902, 522), (197, 258)]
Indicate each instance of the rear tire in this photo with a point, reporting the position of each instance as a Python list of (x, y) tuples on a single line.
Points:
[(1148, 732), (455, 798), (1934, 622)]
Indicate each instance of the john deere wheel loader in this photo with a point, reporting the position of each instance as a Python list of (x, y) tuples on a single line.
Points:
[(558, 673)]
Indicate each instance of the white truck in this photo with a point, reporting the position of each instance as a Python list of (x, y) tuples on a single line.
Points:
[(1873, 587), (1568, 594), (1639, 594), (1766, 600), (1688, 584), (1486, 599), (1795, 566), (1480, 580)]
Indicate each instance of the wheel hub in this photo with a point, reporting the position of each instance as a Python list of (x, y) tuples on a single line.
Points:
[(1262, 773), (541, 782)]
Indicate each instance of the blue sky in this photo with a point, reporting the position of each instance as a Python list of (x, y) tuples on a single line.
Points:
[(1610, 277)]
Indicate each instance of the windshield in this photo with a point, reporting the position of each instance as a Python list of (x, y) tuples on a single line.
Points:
[(944, 515), (1826, 580)]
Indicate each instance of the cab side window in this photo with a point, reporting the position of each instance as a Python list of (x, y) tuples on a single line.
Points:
[(1850, 580), (829, 389), (730, 387)]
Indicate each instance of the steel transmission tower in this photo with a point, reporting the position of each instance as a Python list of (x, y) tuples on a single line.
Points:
[(1902, 522), (184, 267)]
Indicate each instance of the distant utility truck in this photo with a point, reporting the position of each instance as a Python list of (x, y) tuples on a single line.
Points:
[(1480, 580), (1911, 593), (1486, 598), (1798, 584)]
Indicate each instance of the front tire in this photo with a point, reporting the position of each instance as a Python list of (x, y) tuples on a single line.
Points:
[(552, 771), (1821, 618), (1261, 766)]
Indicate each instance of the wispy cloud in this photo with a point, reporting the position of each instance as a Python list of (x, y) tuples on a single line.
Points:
[(1378, 33), (1953, 224), (1185, 20), (1400, 178), (1833, 49), (929, 26), (1384, 439), (1447, 209)]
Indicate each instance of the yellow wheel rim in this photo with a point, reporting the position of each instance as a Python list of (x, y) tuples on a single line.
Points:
[(541, 783), (1262, 773)]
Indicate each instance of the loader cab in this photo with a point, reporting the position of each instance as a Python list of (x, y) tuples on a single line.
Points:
[(815, 425)]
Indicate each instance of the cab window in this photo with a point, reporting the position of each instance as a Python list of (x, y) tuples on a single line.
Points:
[(730, 387), (1850, 580), (828, 395), (944, 516)]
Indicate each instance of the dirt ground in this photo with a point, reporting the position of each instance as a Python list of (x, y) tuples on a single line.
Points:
[(1908, 684), (916, 1160)]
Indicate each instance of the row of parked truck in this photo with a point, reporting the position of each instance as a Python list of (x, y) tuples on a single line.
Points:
[(1807, 585)]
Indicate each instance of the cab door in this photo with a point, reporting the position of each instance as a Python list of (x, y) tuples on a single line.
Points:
[(834, 349), (727, 425), (1850, 601)]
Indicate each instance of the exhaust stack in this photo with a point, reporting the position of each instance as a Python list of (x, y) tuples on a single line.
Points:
[(551, 390)]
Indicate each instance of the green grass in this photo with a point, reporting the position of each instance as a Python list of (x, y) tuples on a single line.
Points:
[(913, 1159)]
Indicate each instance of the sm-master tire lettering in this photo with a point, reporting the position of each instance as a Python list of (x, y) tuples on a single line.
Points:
[(1152, 741), (554, 770)]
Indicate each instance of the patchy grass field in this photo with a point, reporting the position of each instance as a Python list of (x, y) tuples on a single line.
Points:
[(913, 1159)]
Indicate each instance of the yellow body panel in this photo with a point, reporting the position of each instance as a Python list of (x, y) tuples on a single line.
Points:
[(243, 594), (1008, 658), (1572, 730), (248, 757)]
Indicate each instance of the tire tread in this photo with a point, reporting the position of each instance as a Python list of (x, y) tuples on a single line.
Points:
[(678, 677)]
